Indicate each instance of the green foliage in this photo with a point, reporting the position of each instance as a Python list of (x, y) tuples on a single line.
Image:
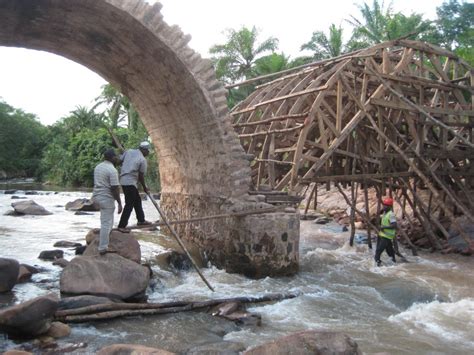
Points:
[(379, 24), (455, 24), (22, 138), (235, 60), (324, 46)]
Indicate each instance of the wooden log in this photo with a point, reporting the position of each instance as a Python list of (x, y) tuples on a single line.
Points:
[(116, 310)]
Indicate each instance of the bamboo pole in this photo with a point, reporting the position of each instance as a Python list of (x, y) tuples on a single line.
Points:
[(178, 239)]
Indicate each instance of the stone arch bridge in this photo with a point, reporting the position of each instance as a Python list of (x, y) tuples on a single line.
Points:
[(204, 169)]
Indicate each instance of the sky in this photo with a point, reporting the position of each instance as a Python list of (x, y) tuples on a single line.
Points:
[(51, 86)]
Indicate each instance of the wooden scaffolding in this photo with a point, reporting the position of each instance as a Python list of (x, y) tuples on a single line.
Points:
[(395, 117)]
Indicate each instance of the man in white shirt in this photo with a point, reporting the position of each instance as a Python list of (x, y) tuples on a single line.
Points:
[(134, 166), (106, 192)]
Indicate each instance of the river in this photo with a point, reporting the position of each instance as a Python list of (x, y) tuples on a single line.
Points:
[(425, 306)]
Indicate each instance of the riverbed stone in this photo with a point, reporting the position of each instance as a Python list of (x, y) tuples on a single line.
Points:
[(51, 254), (30, 318), (82, 204), (29, 207), (131, 349), (9, 271), (24, 274), (66, 244), (58, 330), (217, 348), (125, 244), (82, 301), (308, 342), (109, 275)]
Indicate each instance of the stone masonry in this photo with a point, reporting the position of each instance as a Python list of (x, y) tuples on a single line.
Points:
[(203, 167)]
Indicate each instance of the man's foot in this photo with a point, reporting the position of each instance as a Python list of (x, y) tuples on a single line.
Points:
[(379, 263), (105, 251), (144, 223), (394, 260)]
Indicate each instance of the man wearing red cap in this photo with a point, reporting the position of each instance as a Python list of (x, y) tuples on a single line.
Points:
[(388, 230)]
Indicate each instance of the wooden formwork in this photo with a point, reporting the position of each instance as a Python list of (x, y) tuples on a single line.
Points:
[(397, 117)]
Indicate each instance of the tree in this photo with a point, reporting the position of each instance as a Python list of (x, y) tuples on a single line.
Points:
[(455, 28), (235, 60), (22, 138), (324, 46), (378, 24)]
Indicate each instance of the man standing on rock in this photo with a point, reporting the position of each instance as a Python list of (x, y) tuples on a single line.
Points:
[(388, 229), (133, 170), (106, 192)]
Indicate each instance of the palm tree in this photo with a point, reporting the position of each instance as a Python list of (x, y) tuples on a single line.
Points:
[(323, 46), (379, 24), (235, 60), (117, 108)]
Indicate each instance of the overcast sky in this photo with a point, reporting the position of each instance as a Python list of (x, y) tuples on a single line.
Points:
[(51, 86)]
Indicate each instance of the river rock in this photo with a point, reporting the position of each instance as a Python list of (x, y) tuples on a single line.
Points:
[(29, 207), (9, 270), (30, 318), (219, 348), (24, 274), (17, 352), (61, 262), (124, 243), (131, 349), (66, 244), (82, 204), (58, 330), (14, 197), (308, 342), (109, 275), (455, 239), (51, 254), (82, 301), (321, 220)]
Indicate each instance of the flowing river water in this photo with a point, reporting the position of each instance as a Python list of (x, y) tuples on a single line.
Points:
[(425, 306)]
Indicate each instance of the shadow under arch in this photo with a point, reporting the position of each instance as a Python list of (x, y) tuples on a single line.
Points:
[(202, 164)]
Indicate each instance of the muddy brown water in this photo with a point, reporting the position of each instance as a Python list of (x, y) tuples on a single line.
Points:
[(425, 306)]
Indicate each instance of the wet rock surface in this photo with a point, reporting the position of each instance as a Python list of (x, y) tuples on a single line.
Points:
[(9, 271), (29, 207)]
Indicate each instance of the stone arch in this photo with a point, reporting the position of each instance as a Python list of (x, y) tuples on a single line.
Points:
[(203, 167)]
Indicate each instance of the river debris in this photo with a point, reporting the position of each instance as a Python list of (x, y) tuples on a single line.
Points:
[(108, 311)]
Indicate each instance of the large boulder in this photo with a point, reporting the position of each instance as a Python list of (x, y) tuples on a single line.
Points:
[(82, 204), (124, 244), (308, 342), (131, 349), (29, 207), (30, 318), (9, 271), (109, 275), (467, 227)]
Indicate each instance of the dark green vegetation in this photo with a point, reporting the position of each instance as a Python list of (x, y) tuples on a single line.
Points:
[(66, 152)]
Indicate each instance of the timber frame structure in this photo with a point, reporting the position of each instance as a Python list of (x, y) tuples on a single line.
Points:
[(394, 117)]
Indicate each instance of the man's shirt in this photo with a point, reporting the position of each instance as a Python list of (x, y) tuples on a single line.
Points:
[(105, 176), (133, 162)]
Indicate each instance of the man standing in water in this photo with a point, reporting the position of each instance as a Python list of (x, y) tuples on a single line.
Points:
[(133, 170), (106, 192), (388, 229)]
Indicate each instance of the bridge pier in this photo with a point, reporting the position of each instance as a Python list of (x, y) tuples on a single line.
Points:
[(256, 246)]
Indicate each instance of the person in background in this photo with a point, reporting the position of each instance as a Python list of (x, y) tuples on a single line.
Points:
[(134, 166), (388, 230), (106, 192)]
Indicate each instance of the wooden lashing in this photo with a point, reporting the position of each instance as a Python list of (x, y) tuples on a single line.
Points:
[(398, 116)]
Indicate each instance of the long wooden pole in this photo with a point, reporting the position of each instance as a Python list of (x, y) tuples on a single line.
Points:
[(178, 239)]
